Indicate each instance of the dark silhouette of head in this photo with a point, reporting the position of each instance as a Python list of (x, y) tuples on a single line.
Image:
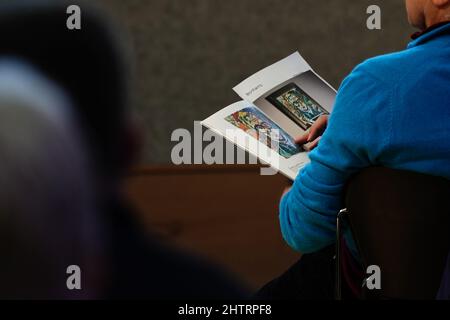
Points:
[(89, 64)]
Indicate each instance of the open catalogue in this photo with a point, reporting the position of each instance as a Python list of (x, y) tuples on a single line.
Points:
[(279, 102)]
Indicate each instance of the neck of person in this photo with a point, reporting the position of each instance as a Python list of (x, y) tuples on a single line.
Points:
[(437, 17)]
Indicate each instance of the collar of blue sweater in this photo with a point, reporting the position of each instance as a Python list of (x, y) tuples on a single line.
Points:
[(430, 34)]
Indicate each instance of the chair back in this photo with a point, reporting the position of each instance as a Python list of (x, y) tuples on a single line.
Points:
[(401, 222)]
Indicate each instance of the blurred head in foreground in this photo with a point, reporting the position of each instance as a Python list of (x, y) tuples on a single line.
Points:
[(56, 183), (46, 204), (89, 64), (65, 142)]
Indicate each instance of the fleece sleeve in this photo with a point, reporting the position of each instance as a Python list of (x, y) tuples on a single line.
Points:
[(358, 131)]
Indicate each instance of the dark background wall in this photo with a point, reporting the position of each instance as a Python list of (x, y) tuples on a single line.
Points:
[(189, 54)]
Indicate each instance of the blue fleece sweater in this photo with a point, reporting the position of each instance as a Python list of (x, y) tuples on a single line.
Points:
[(392, 111)]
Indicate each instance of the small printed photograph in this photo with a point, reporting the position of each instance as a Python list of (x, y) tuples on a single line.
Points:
[(255, 123), (297, 105)]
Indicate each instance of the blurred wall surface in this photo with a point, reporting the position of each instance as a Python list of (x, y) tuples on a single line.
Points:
[(189, 54)]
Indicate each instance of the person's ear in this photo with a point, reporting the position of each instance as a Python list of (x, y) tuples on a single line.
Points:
[(440, 3)]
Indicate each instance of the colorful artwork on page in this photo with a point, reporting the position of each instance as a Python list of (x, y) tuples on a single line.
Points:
[(255, 123)]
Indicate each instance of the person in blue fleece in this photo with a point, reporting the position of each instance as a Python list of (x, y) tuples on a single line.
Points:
[(392, 111)]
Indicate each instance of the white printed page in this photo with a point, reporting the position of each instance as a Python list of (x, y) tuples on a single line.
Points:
[(249, 128), (290, 93), (272, 76), (297, 103)]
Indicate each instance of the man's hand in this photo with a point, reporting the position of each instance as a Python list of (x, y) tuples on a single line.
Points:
[(286, 190), (313, 135)]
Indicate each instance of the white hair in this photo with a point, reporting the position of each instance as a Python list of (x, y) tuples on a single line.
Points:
[(46, 202)]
